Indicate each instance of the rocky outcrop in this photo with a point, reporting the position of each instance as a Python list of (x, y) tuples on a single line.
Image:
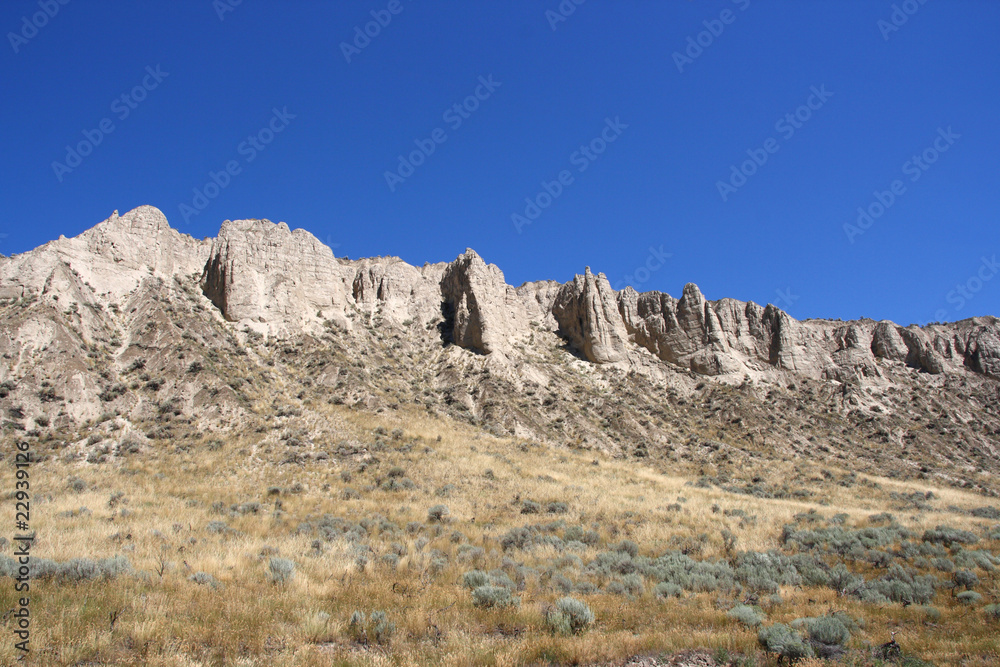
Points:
[(113, 257), (281, 281), (143, 239), (587, 315), (482, 313), (388, 288), (982, 352), (265, 273)]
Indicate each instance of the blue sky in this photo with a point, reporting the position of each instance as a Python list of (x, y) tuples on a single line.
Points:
[(625, 120)]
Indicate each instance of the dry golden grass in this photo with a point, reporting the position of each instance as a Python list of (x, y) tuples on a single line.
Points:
[(163, 618)]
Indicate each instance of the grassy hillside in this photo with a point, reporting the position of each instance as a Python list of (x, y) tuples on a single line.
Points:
[(257, 547)]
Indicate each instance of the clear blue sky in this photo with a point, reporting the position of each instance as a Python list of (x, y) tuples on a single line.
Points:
[(779, 237)]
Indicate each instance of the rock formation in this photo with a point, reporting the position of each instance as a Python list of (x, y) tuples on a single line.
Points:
[(265, 278)]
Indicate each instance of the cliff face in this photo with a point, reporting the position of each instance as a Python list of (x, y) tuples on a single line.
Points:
[(278, 281), (132, 317)]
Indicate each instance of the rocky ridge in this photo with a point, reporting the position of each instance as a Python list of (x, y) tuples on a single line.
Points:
[(89, 317)]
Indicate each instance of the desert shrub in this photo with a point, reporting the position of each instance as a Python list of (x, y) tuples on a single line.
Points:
[(969, 597), (492, 597), (609, 563), (970, 558), (992, 611), (556, 508), (216, 527), (561, 583), (879, 559), (784, 642), (680, 569), (764, 572), (501, 578), (75, 569), (517, 538), (633, 584), (204, 579), (901, 585), (993, 533), (373, 629), (664, 590), (585, 587), (245, 508), (965, 579), (467, 552), (530, 507), (568, 560), (570, 617), (76, 485), (931, 550), (812, 570), (843, 580), (445, 491), (615, 587), (949, 536), (627, 546), (943, 564), (828, 634), (397, 484), (747, 615), (883, 517), (438, 513), (986, 513), (280, 570)]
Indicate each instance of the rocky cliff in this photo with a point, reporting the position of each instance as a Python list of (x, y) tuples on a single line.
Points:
[(136, 318)]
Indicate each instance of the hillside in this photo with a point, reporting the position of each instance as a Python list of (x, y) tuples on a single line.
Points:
[(268, 437)]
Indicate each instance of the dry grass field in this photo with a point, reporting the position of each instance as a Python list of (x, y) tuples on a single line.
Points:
[(258, 548)]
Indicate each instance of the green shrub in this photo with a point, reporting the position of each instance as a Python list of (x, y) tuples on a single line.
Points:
[(438, 513), (75, 569), (557, 508), (492, 597), (749, 616), (615, 587), (666, 590), (782, 641), (517, 538), (965, 579), (629, 547), (948, 536), (970, 558), (969, 597), (570, 617), (829, 630), (943, 564)]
